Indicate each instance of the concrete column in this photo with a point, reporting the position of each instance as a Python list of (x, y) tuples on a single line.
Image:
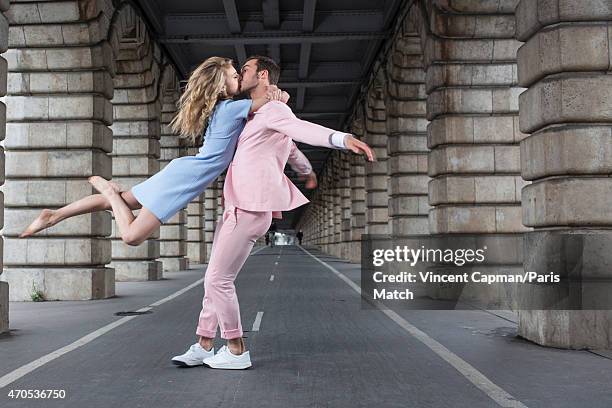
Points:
[(407, 136), (358, 194), (328, 209), (377, 198), (337, 191), (173, 233), (320, 221), (59, 84), (136, 134), (565, 63), (210, 215), (4, 286), (196, 243), (473, 134), (345, 205)]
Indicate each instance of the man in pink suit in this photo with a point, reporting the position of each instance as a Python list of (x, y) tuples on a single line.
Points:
[(256, 190)]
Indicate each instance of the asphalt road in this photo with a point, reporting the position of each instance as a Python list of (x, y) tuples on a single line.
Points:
[(315, 347)]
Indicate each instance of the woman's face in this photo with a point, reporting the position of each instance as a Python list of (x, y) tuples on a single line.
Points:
[(232, 81)]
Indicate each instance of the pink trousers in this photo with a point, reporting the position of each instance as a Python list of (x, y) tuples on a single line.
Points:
[(233, 240)]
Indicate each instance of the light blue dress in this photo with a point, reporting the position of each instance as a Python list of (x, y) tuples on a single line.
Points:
[(184, 178)]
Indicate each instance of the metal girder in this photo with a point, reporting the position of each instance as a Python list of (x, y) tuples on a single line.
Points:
[(271, 16), (308, 18), (271, 20), (305, 48), (349, 19), (233, 22), (301, 94), (231, 14), (275, 37), (317, 84), (317, 114)]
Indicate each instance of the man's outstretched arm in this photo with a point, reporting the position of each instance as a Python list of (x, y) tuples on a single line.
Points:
[(281, 119)]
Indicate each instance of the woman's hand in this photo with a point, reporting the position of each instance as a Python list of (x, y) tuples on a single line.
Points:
[(273, 93), (357, 146), (285, 97)]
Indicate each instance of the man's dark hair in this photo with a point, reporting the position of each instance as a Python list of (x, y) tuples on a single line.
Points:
[(267, 64)]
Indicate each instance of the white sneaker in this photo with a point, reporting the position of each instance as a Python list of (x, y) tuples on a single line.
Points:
[(194, 356), (227, 360)]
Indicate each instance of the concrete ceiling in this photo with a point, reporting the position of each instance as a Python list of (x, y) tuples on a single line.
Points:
[(325, 49)]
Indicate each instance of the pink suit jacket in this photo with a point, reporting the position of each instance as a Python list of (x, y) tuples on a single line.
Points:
[(255, 179)]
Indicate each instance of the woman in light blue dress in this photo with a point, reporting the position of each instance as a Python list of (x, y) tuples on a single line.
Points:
[(206, 100)]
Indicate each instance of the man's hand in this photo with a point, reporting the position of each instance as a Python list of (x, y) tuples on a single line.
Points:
[(311, 180), (357, 146)]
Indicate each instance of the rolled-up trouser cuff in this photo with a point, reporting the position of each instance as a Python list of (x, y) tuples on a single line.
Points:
[(206, 333), (231, 334)]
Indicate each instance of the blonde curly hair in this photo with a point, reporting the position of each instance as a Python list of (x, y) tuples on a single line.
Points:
[(205, 87)]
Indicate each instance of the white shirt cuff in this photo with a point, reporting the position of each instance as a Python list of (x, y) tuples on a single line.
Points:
[(337, 139)]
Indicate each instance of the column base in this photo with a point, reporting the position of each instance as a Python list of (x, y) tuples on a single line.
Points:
[(196, 252), (354, 252), (571, 329), (582, 255), (137, 271), (4, 307), (174, 264), (60, 283), (208, 251)]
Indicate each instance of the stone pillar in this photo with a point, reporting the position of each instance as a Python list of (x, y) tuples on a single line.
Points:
[(196, 244), (328, 208), (407, 137), (345, 204), (173, 233), (377, 199), (337, 191), (136, 134), (58, 113), (220, 205), (358, 194), (4, 286), (565, 63), (210, 215), (313, 223), (473, 134)]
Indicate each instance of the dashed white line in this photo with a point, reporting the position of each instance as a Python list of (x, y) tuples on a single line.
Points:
[(257, 321), (496, 393)]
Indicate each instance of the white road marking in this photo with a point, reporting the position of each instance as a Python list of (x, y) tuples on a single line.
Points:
[(271, 278), (257, 321), (39, 362), (496, 393)]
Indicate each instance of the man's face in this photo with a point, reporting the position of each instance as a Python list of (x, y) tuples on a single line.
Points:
[(249, 76)]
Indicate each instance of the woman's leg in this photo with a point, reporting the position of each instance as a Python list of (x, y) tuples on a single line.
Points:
[(95, 202), (237, 235), (133, 230)]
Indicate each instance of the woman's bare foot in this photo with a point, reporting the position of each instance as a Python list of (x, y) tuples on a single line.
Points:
[(115, 186), (44, 220), (103, 186)]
